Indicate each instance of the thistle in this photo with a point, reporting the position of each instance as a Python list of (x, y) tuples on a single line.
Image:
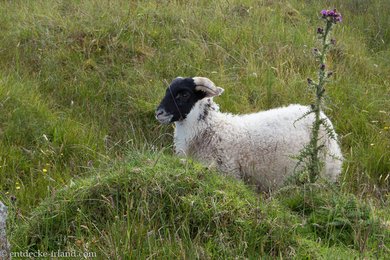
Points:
[(310, 153)]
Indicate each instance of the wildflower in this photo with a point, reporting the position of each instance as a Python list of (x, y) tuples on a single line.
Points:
[(322, 67), (44, 170), (331, 15), (320, 30), (330, 73)]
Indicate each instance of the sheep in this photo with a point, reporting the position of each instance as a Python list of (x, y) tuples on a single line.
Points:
[(258, 148)]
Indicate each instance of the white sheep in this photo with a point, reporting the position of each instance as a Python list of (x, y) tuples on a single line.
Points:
[(258, 148)]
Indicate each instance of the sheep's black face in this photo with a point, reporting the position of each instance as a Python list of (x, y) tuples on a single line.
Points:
[(179, 99)]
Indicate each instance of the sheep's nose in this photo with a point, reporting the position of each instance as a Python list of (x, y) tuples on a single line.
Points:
[(159, 112), (162, 116)]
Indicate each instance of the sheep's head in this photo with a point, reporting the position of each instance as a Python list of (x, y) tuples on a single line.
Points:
[(181, 95)]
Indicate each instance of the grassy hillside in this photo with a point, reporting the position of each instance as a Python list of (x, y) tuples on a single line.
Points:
[(79, 82), (156, 206)]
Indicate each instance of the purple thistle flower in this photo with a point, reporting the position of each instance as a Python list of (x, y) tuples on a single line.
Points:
[(331, 15)]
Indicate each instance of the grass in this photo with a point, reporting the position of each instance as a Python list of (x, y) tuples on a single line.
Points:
[(153, 206), (79, 83)]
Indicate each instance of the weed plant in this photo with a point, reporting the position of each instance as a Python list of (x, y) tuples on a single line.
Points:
[(310, 153)]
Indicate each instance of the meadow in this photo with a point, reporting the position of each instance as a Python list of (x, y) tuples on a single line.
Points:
[(85, 166)]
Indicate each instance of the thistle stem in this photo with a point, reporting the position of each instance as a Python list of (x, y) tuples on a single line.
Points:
[(310, 153), (314, 164)]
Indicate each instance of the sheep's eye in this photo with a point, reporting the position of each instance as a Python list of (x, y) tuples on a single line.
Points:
[(183, 95)]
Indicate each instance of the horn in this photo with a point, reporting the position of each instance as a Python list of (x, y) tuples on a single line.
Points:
[(207, 86)]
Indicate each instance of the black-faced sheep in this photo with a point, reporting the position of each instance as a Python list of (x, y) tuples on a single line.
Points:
[(258, 148)]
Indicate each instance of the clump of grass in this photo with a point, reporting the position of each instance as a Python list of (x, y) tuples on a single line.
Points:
[(156, 206), (336, 218)]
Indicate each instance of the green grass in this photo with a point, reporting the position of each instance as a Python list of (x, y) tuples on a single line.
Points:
[(79, 83), (154, 206)]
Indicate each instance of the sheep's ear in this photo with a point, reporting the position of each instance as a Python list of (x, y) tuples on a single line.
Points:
[(207, 86)]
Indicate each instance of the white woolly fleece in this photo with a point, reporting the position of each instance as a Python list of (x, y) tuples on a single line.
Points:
[(258, 148)]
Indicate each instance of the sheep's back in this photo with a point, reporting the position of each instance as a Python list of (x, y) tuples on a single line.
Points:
[(264, 144)]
